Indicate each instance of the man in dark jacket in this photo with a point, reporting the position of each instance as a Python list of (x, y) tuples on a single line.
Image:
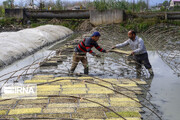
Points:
[(84, 47)]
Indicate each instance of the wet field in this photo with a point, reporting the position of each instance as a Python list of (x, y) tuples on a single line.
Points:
[(163, 53)]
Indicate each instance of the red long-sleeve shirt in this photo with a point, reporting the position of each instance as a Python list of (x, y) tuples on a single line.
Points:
[(87, 44)]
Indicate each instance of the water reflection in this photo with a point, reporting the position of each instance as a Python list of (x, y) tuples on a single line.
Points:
[(165, 88), (18, 65)]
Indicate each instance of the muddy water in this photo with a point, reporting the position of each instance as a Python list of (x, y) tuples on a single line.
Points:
[(165, 85), (21, 64), (165, 88)]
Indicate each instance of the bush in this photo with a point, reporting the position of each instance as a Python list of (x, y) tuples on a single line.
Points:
[(33, 25), (2, 11), (73, 24), (163, 8), (176, 8), (122, 5), (7, 21), (100, 5), (140, 24)]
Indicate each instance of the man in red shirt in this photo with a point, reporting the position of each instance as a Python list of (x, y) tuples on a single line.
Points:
[(84, 47)]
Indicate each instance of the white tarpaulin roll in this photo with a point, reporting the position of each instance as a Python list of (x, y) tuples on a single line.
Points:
[(13, 45)]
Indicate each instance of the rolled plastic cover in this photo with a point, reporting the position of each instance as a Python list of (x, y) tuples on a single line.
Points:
[(13, 45)]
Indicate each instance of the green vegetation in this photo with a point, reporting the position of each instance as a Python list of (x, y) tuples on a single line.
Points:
[(33, 25), (100, 5), (58, 5), (8, 4), (72, 24), (9, 21), (51, 5), (140, 6), (172, 22), (123, 5), (137, 24), (140, 24), (165, 6), (2, 11), (176, 8)]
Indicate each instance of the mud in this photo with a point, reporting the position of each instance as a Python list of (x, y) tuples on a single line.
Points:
[(163, 55)]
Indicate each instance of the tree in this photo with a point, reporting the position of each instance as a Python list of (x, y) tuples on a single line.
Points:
[(5, 4), (101, 5), (8, 4), (162, 8), (111, 4), (59, 5), (41, 5), (50, 5), (2, 11), (165, 4), (141, 6), (90, 6), (123, 5)]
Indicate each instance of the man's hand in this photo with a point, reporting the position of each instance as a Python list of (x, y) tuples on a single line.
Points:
[(106, 51), (132, 53), (113, 47)]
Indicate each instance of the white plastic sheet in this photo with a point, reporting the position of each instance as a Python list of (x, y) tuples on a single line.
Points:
[(13, 45)]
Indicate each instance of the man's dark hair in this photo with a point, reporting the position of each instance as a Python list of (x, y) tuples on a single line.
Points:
[(133, 32)]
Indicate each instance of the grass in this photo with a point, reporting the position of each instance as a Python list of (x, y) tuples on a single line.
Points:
[(2, 11), (69, 23), (137, 24), (33, 25), (140, 24), (9, 21)]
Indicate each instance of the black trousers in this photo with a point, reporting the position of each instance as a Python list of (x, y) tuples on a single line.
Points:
[(142, 59)]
